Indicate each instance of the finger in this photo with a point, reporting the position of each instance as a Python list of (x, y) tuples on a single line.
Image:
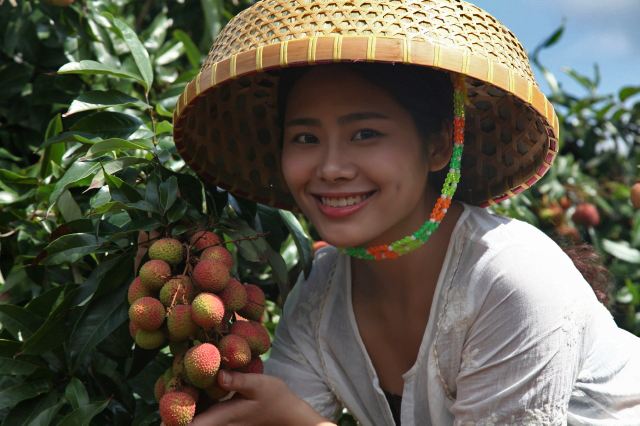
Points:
[(223, 413), (248, 385)]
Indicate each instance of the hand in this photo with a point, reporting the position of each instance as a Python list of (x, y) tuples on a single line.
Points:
[(265, 400)]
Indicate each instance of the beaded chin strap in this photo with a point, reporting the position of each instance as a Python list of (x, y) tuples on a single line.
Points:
[(421, 236)]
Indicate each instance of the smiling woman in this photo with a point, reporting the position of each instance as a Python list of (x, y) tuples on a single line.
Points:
[(426, 308)]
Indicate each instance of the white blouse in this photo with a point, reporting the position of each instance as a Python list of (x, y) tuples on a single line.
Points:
[(515, 336)]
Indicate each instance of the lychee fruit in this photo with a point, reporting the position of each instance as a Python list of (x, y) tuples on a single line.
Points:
[(207, 310), (203, 239), (149, 339), (177, 290), (586, 214), (569, 232), (254, 333), (554, 213), (635, 195), (137, 290), (218, 254), (234, 351), (154, 274), (317, 245), (254, 308), (177, 408), (168, 249), (201, 364), (147, 312), (234, 295), (133, 329), (255, 366), (179, 323), (215, 392), (211, 276), (158, 388)]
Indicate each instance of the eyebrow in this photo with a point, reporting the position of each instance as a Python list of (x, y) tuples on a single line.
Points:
[(345, 119)]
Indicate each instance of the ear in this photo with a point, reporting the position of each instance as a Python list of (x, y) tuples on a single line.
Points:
[(440, 148)]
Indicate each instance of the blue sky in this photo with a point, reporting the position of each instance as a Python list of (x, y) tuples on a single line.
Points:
[(606, 32)]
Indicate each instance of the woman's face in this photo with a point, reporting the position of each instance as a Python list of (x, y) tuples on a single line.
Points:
[(353, 160)]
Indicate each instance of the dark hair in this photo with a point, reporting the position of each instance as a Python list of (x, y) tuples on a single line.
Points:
[(427, 94)]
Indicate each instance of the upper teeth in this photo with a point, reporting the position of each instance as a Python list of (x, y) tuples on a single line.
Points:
[(342, 201)]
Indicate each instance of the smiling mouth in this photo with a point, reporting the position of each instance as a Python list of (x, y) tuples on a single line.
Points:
[(344, 201)]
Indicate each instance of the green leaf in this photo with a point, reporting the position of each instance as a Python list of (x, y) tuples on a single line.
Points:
[(72, 247), (16, 367), (119, 145), (109, 124), (68, 207), (7, 176), (300, 238), (52, 154), (18, 321), (78, 171), (139, 53), (279, 269), (193, 54), (92, 67), (168, 192), (83, 415), (76, 393), (98, 99), (621, 250), (14, 394), (46, 416), (627, 92)]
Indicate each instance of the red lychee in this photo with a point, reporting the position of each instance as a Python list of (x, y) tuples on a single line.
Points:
[(254, 308), (154, 274), (201, 364), (203, 239), (234, 351), (255, 366), (177, 408), (211, 276), (179, 323), (317, 245), (207, 310), (234, 295), (133, 329), (169, 250), (158, 388), (218, 254), (137, 290), (254, 333), (149, 339), (586, 214), (177, 290), (147, 312)]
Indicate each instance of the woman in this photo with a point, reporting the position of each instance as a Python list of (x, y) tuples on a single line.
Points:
[(433, 310)]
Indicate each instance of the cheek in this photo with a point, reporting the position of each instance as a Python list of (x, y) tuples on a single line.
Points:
[(295, 169)]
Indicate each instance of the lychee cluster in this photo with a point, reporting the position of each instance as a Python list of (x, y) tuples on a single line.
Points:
[(185, 296)]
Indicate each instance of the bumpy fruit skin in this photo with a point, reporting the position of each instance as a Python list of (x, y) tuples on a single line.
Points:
[(635, 195), (234, 295), (201, 364), (177, 408), (168, 249), (254, 308), (211, 276), (177, 290), (234, 351), (586, 214), (154, 274), (149, 339), (158, 388), (133, 329), (203, 239), (255, 366), (147, 312), (218, 254), (137, 290), (207, 310), (254, 333), (179, 323)]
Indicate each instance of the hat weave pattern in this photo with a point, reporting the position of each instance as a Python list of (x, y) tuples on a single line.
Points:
[(226, 125)]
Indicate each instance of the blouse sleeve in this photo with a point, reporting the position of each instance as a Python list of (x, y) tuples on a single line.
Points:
[(522, 354), (294, 357)]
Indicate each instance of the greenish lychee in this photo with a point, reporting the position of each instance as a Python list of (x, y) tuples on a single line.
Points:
[(201, 364), (179, 323), (254, 308), (218, 254), (210, 276), (255, 366), (137, 290), (254, 333), (149, 339), (215, 392), (234, 295), (207, 310), (154, 274), (168, 249), (177, 408), (203, 239), (147, 312), (177, 290), (234, 351)]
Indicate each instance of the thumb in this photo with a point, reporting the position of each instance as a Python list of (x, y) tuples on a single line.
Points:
[(248, 385)]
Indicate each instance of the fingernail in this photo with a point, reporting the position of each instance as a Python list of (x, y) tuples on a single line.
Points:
[(225, 378)]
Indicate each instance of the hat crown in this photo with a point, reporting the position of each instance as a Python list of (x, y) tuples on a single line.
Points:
[(451, 23)]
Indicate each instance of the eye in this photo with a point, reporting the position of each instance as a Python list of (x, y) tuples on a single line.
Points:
[(370, 132), (300, 139)]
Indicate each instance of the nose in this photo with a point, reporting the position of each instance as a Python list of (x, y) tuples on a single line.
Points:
[(336, 164)]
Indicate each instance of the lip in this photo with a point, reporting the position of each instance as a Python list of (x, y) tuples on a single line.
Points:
[(340, 212)]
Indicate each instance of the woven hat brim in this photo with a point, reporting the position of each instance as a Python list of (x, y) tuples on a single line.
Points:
[(212, 116)]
